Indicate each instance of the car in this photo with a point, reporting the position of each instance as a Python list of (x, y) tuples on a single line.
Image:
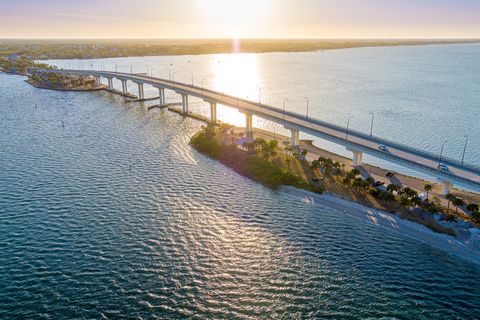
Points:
[(390, 174), (442, 167), (383, 148), (378, 183)]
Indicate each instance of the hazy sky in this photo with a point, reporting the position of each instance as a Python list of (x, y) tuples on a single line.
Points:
[(240, 18)]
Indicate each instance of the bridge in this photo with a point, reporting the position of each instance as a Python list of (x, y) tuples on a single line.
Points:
[(458, 173)]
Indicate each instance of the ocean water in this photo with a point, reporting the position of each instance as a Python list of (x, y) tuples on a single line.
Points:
[(421, 96), (107, 212)]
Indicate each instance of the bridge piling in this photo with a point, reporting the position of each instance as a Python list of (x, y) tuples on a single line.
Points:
[(446, 187), (141, 95), (124, 86), (110, 83), (357, 158), (161, 95), (185, 103), (295, 138), (213, 112)]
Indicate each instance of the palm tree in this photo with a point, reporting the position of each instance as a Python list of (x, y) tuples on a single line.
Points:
[(458, 202), (355, 172), (393, 187), (409, 192), (473, 207), (370, 180), (450, 197), (428, 187), (357, 183), (415, 201)]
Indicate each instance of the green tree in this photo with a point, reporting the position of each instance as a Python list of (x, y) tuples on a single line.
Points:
[(393, 187), (370, 180), (355, 172), (457, 202), (473, 207), (449, 197)]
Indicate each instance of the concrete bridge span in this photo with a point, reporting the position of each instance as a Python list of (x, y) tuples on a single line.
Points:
[(458, 173)]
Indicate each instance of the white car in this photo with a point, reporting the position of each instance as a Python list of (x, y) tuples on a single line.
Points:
[(442, 167), (383, 148)]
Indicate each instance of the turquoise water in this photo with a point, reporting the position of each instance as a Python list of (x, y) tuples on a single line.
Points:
[(420, 95), (113, 215)]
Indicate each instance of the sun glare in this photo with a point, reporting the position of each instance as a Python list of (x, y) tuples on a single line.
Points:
[(237, 17), (236, 74)]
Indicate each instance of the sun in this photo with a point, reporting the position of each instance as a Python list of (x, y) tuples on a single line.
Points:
[(235, 17)]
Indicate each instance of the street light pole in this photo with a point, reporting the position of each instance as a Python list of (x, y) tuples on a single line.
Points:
[(202, 85), (465, 148), (284, 105), (307, 105), (348, 126), (371, 126), (441, 154)]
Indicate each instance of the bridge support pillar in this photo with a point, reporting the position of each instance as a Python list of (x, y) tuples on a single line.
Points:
[(141, 95), (357, 158), (185, 103), (161, 95), (294, 138), (124, 86), (110, 83), (249, 125), (213, 112), (98, 80), (446, 187)]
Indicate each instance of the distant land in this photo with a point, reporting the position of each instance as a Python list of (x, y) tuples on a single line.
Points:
[(84, 49)]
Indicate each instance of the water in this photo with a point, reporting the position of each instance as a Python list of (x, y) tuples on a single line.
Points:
[(420, 96), (115, 216)]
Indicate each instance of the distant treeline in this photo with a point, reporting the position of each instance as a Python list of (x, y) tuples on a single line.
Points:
[(84, 49)]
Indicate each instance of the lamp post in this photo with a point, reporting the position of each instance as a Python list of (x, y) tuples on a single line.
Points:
[(348, 126), (202, 85), (284, 105), (441, 154), (465, 148), (371, 126), (307, 105)]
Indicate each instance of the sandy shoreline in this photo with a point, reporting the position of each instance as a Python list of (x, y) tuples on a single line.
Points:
[(390, 222)]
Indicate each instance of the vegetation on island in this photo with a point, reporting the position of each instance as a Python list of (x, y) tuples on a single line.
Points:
[(52, 80), (266, 162), (21, 65), (257, 160)]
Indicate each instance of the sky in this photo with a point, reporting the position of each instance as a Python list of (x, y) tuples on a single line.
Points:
[(190, 19)]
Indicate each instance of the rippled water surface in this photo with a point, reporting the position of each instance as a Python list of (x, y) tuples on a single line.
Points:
[(113, 215)]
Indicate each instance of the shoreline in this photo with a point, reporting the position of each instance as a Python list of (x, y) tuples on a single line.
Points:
[(134, 47), (443, 242)]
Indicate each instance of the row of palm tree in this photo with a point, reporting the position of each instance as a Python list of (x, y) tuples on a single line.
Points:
[(267, 149), (328, 166)]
